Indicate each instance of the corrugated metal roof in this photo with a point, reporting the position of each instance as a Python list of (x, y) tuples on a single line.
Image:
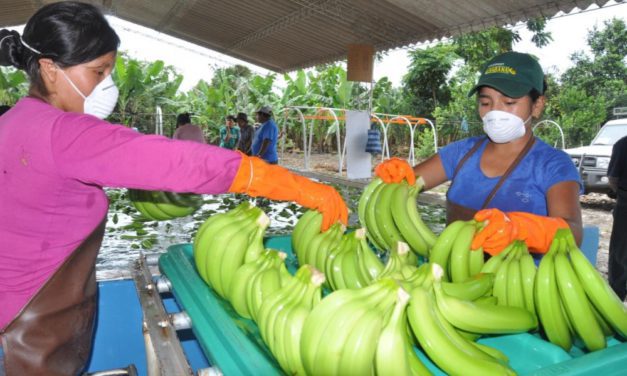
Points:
[(283, 35)]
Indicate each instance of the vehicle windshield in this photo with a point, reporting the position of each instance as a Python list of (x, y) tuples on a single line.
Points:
[(610, 134)]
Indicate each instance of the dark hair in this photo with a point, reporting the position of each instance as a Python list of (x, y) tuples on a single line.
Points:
[(231, 117), (183, 119), (534, 94), (68, 32), (4, 108)]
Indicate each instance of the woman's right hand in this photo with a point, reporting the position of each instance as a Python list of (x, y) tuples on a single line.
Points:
[(394, 170)]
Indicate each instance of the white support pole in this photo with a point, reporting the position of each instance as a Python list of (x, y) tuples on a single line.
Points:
[(158, 121), (411, 158), (552, 123)]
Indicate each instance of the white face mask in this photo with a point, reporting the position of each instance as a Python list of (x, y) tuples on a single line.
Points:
[(503, 126), (102, 99)]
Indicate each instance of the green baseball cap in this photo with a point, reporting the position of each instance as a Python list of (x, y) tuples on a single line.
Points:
[(512, 73)]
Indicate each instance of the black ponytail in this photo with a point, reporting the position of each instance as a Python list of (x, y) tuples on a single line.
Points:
[(69, 33)]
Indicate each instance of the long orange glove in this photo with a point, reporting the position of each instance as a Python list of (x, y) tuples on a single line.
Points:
[(258, 178), (535, 230), (394, 170)]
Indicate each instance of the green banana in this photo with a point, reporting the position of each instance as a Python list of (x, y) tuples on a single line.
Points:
[(515, 293), (460, 253), (332, 268), (528, 275), (282, 315), (333, 236), (263, 283), (307, 230), (441, 344), (412, 208), (204, 239), (163, 202), (237, 293), (576, 304), (476, 261), (364, 198), (330, 324), (494, 262), (441, 251), (220, 248), (395, 354), (383, 215), (471, 289), (372, 230), (601, 295), (370, 267), (405, 223), (547, 301), (501, 280), (396, 261), (477, 318), (299, 228), (239, 245)]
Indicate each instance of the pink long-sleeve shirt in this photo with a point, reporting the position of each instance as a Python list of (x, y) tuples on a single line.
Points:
[(53, 165)]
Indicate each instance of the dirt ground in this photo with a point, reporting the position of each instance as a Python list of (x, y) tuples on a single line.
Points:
[(596, 208)]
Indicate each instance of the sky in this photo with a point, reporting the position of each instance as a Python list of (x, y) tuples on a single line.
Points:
[(568, 31)]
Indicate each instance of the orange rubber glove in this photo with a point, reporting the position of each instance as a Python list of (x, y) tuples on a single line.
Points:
[(502, 228), (394, 170), (258, 178)]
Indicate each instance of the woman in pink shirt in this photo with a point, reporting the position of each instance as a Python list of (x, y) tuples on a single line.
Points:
[(56, 154)]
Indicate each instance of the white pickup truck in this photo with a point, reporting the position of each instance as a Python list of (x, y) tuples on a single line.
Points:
[(592, 160)]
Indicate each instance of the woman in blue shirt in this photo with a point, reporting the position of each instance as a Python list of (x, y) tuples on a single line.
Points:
[(525, 188)]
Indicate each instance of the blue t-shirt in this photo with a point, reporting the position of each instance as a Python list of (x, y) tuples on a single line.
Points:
[(524, 190), (267, 131)]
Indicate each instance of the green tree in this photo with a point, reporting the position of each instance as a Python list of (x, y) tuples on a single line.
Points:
[(594, 81), (143, 86), (425, 83), (13, 85)]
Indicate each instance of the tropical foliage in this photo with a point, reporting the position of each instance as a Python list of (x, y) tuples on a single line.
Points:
[(435, 86)]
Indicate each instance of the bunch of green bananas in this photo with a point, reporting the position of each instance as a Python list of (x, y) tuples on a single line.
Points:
[(162, 206), (400, 264), (282, 315), (572, 299), (351, 328), (515, 273), (389, 212), (241, 291), (351, 263), (263, 283), (311, 246), (452, 251), (308, 226), (224, 242), (445, 327)]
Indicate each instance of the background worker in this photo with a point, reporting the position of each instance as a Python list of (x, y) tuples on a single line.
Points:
[(617, 264), (247, 132), (57, 154), (266, 136), (524, 188), (185, 130), (229, 133)]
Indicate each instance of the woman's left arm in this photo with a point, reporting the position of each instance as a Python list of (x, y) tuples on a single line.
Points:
[(562, 201)]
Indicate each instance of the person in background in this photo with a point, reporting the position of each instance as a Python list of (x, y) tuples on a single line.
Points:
[(229, 134), (520, 186), (4, 108), (246, 132), (266, 136), (617, 264), (57, 153), (185, 130)]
